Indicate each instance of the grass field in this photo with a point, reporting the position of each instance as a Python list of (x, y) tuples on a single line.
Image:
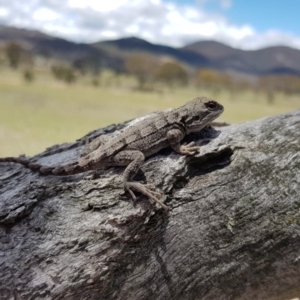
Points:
[(36, 115)]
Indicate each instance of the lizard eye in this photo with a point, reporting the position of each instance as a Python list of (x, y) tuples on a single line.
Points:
[(197, 118), (211, 105)]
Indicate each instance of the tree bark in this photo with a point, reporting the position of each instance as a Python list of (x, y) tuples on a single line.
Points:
[(232, 231)]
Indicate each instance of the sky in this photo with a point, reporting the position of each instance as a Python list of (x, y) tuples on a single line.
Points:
[(244, 24)]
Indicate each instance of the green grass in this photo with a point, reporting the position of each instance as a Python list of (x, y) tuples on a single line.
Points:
[(36, 115)]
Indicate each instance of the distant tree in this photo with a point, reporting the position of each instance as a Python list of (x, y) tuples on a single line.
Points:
[(207, 78), (95, 81), (225, 80), (80, 65), (172, 73), (143, 67), (70, 76), (289, 84), (88, 64), (215, 80), (14, 54), (28, 75), (64, 73)]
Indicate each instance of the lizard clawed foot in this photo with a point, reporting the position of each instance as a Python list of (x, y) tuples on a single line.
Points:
[(189, 149), (145, 189)]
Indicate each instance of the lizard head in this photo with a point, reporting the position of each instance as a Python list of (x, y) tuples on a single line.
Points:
[(199, 112)]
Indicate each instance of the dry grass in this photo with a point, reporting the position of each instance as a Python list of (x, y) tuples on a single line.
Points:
[(36, 115)]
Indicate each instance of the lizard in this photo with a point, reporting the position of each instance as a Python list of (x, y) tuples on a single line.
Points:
[(135, 142)]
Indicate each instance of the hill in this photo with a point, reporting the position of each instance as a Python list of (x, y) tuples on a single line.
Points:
[(44, 45), (133, 44), (278, 59), (211, 54), (216, 55)]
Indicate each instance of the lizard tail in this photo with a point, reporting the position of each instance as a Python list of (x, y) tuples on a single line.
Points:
[(69, 169)]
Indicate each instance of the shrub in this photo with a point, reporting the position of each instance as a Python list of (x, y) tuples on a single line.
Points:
[(28, 75), (64, 73), (143, 67), (14, 53), (172, 73)]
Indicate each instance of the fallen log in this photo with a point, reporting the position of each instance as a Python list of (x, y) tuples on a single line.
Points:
[(232, 231)]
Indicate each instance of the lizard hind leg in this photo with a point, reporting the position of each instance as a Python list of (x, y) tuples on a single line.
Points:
[(133, 159), (145, 189)]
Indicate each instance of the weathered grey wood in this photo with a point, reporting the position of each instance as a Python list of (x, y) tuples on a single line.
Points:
[(233, 230)]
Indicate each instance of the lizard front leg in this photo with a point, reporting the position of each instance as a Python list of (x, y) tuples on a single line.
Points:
[(133, 159), (174, 137)]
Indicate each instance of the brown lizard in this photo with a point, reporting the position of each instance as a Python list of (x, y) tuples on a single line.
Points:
[(142, 139)]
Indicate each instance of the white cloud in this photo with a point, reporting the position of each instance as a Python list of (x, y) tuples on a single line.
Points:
[(154, 20), (101, 6), (44, 14), (3, 12)]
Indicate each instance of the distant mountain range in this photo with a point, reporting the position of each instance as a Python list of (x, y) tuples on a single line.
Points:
[(210, 54), (38, 43)]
